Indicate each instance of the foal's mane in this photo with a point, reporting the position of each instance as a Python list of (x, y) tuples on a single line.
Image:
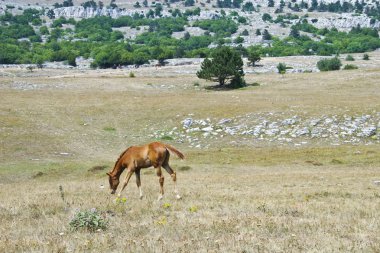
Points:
[(118, 159)]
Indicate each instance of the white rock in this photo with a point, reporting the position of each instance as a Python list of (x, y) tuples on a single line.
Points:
[(368, 131), (187, 122), (208, 129), (224, 121)]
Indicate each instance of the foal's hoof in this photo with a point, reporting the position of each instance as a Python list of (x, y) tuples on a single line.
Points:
[(160, 198), (141, 197), (178, 197)]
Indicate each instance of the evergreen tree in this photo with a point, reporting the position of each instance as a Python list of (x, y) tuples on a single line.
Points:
[(236, 3), (189, 3), (314, 5), (253, 56), (266, 35), (248, 6), (50, 14), (226, 64), (294, 32)]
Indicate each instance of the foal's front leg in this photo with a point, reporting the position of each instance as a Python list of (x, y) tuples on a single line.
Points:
[(127, 177)]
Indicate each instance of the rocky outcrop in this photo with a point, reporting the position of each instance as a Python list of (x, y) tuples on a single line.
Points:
[(277, 128), (79, 12), (345, 21)]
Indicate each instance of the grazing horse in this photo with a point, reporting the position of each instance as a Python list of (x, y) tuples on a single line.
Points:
[(135, 158)]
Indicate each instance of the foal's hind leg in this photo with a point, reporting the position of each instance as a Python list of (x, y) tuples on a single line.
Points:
[(174, 177), (161, 180), (138, 182)]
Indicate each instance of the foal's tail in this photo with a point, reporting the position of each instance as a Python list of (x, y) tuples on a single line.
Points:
[(176, 151)]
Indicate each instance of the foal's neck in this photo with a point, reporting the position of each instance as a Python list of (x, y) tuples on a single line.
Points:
[(117, 170)]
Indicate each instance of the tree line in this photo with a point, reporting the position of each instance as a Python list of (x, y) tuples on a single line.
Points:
[(27, 39)]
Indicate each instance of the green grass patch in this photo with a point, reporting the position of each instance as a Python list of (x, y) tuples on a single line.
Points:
[(109, 129), (167, 138), (184, 168), (351, 155), (41, 170)]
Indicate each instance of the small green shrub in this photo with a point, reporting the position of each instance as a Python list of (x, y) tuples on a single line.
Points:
[(281, 67), (329, 64), (90, 220), (237, 82), (131, 74), (239, 40), (350, 58), (350, 66), (366, 57)]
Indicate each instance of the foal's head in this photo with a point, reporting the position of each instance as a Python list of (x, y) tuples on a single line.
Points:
[(114, 182)]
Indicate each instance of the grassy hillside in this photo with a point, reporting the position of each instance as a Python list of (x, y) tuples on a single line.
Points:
[(65, 129)]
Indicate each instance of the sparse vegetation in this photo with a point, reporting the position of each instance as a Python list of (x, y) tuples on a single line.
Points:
[(89, 220)]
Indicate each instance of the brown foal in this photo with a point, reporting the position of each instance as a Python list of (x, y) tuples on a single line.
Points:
[(135, 158)]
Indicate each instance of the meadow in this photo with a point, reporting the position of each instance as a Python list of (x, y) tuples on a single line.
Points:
[(62, 130)]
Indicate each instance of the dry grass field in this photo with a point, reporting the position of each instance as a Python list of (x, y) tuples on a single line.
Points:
[(57, 125)]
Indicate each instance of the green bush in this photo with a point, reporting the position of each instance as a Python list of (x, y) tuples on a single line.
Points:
[(329, 64), (222, 27), (239, 40), (281, 67), (266, 17), (350, 58), (90, 220), (366, 57), (350, 66)]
